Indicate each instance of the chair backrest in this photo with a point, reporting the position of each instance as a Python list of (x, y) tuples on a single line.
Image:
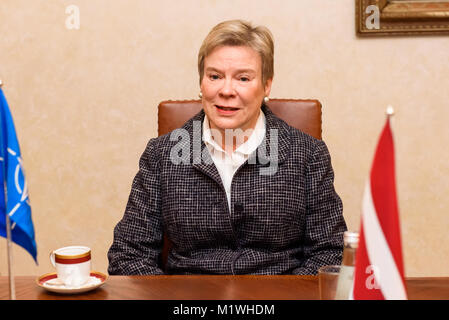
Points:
[(304, 115)]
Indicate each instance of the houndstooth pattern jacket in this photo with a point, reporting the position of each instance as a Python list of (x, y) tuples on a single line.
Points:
[(286, 220)]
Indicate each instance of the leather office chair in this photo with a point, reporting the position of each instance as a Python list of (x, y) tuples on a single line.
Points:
[(304, 115)]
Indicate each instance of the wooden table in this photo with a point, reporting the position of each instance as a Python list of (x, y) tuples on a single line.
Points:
[(207, 287)]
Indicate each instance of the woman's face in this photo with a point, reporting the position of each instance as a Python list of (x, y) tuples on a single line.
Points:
[(232, 87)]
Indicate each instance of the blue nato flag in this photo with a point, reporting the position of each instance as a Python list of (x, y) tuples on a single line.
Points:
[(14, 200)]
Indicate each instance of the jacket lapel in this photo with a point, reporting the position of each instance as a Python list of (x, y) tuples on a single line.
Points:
[(201, 158), (276, 144)]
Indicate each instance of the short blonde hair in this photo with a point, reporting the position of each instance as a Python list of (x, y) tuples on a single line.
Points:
[(240, 33)]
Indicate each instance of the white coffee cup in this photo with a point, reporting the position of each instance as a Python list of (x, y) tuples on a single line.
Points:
[(73, 265)]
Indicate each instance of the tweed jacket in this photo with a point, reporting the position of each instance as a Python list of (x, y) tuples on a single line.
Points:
[(285, 216)]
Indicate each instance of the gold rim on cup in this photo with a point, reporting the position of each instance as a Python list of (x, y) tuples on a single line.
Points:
[(71, 259)]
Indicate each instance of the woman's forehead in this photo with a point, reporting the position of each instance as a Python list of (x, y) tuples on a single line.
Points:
[(241, 58)]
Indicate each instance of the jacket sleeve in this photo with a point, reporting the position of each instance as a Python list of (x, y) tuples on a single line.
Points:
[(325, 225), (138, 235)]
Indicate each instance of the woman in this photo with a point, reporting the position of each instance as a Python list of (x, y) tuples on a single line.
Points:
[(228, 214)]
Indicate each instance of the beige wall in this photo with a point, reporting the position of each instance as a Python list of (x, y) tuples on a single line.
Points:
[(85, 103)]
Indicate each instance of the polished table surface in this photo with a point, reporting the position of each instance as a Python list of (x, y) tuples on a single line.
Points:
[(208, 287)]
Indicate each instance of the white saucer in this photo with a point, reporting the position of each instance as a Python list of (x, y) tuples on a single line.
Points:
[(50, 282)]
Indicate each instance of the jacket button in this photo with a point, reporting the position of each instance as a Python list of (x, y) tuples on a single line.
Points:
[(238, 207)]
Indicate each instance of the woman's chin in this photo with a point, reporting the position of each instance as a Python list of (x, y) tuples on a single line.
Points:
[(226, 125)]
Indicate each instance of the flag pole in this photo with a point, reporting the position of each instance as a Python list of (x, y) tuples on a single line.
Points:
[(390, 111), (12, 289)]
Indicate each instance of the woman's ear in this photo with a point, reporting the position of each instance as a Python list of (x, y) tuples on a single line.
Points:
[(268, 87)]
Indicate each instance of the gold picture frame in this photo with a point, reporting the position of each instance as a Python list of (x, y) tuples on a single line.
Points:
[(401, 17)]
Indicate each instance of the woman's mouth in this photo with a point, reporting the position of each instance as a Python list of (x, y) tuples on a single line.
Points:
[(226, 110)]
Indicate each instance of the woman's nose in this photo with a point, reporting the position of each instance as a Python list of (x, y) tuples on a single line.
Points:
[(228, 88)]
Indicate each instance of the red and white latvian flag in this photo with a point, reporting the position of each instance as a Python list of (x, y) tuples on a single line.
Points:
[(379, 269)]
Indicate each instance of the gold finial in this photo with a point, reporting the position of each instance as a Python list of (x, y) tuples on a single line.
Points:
[(390, 111)]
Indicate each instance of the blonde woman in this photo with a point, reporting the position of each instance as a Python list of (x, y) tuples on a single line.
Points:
[(261, 198)]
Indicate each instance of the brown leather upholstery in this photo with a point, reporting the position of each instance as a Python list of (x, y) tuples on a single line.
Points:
[(304, 115)]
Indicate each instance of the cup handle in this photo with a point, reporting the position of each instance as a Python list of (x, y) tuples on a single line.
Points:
[(52, 258)]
